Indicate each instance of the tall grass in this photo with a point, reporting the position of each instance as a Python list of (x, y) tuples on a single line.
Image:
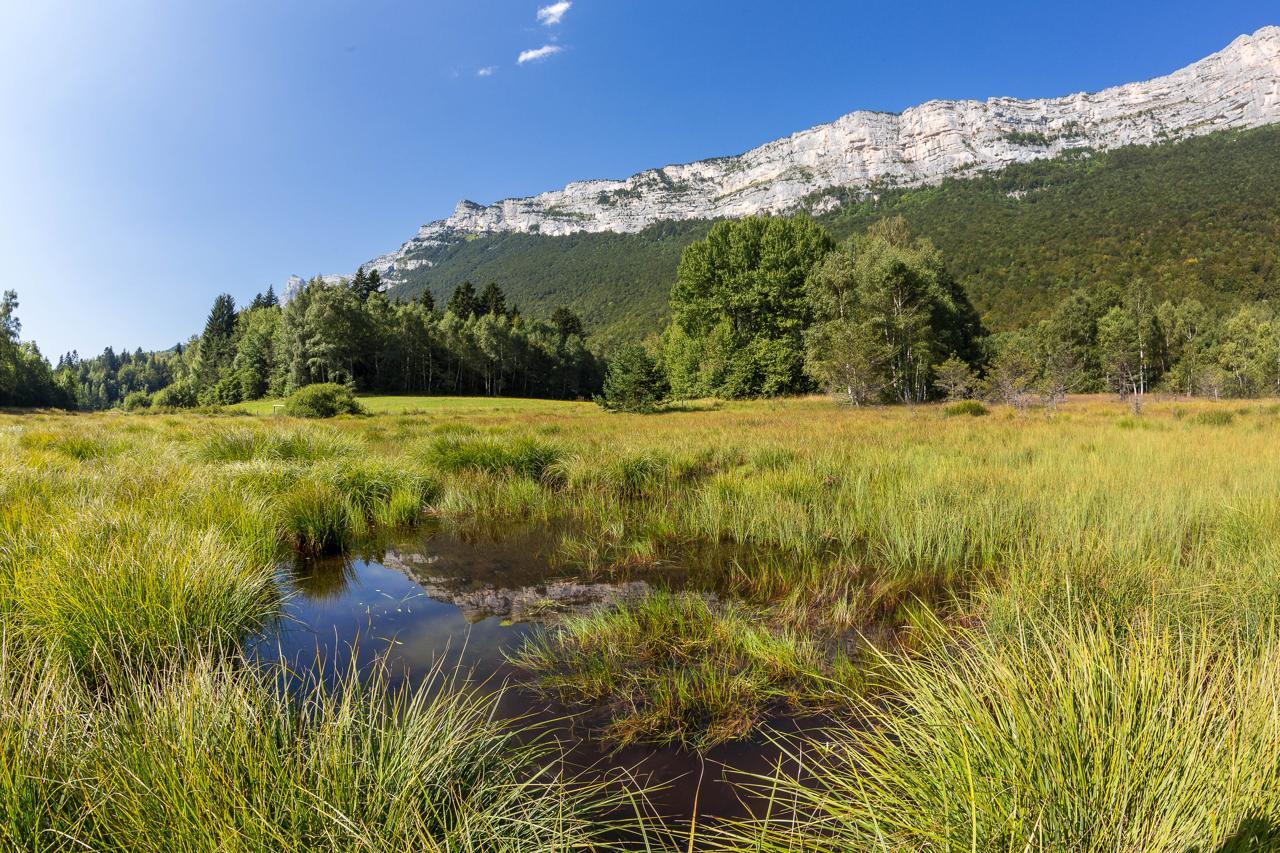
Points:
[(128, 592), (132, 548), (130, 721), (246, 444), (211, 756), (677, 668), (1061, 735)]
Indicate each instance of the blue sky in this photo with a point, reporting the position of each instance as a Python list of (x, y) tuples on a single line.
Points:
[(154, 153)]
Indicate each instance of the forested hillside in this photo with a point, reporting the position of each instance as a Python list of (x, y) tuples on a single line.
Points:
[(618, 283), (1197, 218)]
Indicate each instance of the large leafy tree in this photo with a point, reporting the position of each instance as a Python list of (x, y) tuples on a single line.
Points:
[(739, 307), (887, 312), (26, 379), (1128, 343)]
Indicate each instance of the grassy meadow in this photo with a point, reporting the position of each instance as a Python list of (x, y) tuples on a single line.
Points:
[(1030, 630)]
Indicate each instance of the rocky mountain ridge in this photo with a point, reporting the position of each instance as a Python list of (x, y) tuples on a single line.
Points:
[(1238, 87)]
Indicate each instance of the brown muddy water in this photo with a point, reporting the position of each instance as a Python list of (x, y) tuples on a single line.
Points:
[(465, 602)]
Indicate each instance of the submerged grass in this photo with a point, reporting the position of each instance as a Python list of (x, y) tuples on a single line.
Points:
[(676, 667)]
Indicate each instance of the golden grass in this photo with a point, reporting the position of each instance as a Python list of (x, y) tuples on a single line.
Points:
[(131, 543)]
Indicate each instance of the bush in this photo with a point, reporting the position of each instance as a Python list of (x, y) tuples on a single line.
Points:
[(634, 382), (324, 400), (179, 395), (136, 401), (972, 408)]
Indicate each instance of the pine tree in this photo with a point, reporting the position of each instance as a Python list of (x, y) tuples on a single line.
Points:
[(634, 382), (493, 300), (216, 349), (954, 378), (360, 284), (463, 303), (222, 318), (566, 322)]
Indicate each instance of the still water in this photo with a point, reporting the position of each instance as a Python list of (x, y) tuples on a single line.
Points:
[(465, 602)]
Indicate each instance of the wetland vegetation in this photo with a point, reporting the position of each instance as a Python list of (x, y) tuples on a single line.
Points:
[(1049, 628)]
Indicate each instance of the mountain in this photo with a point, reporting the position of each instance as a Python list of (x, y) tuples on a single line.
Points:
[(1238, 87), (610, 247), (1200, 217)]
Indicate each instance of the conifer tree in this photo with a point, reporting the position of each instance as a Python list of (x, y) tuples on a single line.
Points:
[(634, 383)]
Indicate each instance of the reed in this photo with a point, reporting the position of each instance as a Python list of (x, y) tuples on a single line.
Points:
[(1062, 735)]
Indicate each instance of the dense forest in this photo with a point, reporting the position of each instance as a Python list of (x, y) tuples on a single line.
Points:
[(617, 283), (1196, 218), (347, 332), (1137, 269), (775, 306), (25, 377)]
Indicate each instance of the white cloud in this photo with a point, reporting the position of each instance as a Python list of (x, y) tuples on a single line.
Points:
[(551, 15), (539, 53), (487, 71)]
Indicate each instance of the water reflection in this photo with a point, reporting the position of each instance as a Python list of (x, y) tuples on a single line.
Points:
[(466, 601)]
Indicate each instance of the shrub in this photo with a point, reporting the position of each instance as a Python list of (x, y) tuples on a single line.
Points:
[(136, 401), (972, 408), (324, 400), (634, 382), (179, 395)]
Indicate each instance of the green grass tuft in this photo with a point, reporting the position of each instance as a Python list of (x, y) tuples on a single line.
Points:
[(676, 668)]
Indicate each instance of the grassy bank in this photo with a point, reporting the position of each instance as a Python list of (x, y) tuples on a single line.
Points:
[(1100, 585)]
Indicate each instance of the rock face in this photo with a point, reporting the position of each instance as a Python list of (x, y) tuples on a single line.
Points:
[(1238, 87), (291, 287)]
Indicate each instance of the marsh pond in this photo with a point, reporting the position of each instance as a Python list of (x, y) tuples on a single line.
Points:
[(439, 601)]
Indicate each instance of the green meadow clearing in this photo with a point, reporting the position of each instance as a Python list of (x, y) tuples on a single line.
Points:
[(453, 407), (1041, 629)]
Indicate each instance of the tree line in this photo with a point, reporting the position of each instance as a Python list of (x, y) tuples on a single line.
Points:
[(762, 306), (348, 332), (25, 376), (770, 306)]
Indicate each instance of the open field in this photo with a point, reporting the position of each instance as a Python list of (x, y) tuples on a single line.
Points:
[(1063, 623)]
